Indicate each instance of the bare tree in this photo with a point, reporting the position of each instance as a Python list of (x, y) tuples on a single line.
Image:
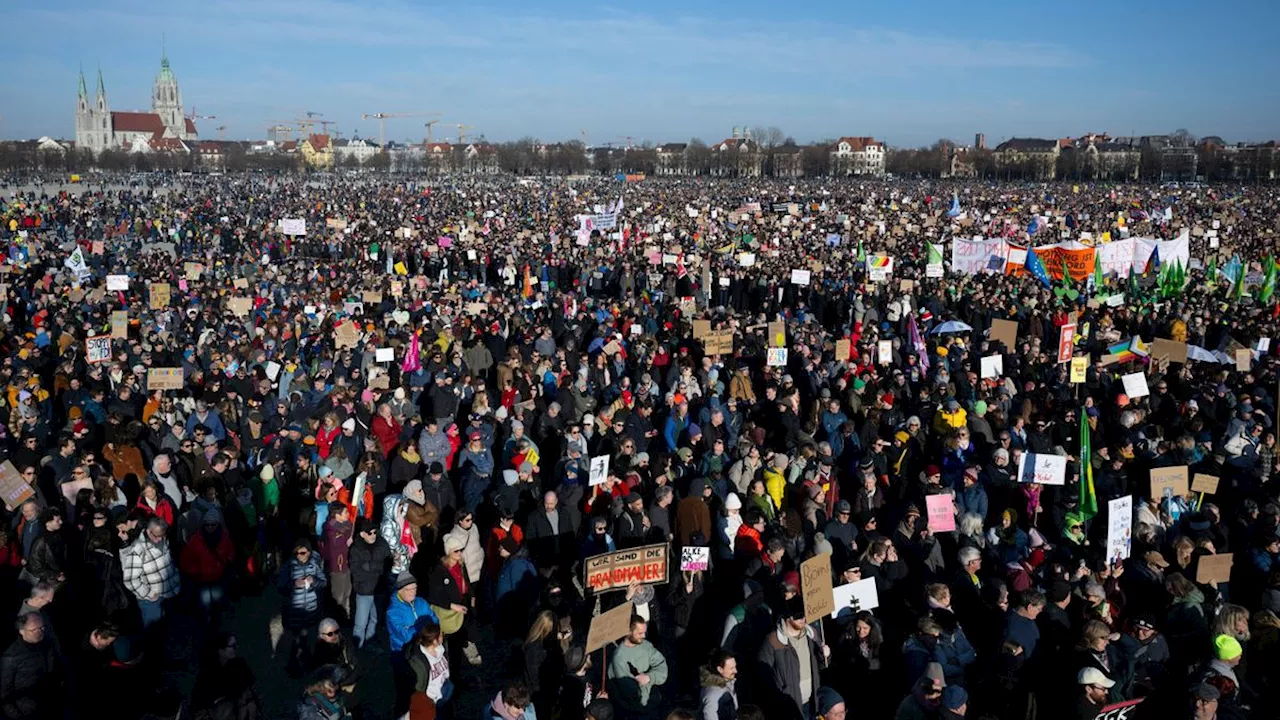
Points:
[(768, 137)]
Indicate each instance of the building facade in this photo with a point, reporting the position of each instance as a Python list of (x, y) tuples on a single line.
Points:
[(1028, 158), (100, 128), (857, 156)]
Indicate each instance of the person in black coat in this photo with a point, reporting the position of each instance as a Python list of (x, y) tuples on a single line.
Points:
[(48, 558), (31, 678), (368, 557), (551, 544), (449, 589)]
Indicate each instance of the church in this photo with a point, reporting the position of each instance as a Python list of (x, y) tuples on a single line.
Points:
[(100, 128)]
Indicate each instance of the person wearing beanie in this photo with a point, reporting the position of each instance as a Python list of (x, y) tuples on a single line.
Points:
[(955, 702), (1221, 670), (925, 700), (450, 589), (830, 705), (368, 556), (693, 514), (406, 613)]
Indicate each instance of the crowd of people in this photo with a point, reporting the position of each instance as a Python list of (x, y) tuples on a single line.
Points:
[(378, 407)]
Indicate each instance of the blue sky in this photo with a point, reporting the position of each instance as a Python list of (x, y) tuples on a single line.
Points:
[(905, 72)]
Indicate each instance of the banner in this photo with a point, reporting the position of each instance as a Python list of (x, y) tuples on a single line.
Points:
[(1042, 468), (1119, 528), (293, 226), (617, 570), (1079, 260), (973, 256)]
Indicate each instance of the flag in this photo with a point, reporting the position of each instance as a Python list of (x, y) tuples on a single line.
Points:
[(412, 359), (1066, 274), (1097, 271), (1268, 282), (917, 342), (955, 206), (1153, 262), (1034, 227), (1237, 290), (1088, 498), (862, 253), (528, 282), (935, 254), (1212, 273), (1036, 268)]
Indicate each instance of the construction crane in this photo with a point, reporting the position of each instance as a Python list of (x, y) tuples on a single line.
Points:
[(462, 135), (629, 140), (193, 116), (326, 123), (381, 117), (222, 132), (429, 123), (280, 127)]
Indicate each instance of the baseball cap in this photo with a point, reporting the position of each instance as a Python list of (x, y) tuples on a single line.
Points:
[(1094, 676), (1205, 691)]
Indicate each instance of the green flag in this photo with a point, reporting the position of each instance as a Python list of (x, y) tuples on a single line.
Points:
[(1237, 290), (1097, 271), (1088, 499), (935, 254), (1268, 283), (862, 253), (1212, 273)]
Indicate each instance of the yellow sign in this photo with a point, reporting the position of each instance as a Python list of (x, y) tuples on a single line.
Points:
[(1079, 365)]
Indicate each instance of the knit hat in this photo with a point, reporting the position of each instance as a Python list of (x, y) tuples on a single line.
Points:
[(413, 491), (814, 491), (452, 543), (405, 579), (828, 699), (733, 502), (268, 472), (1226, 647), (980, 407), (350, 424)]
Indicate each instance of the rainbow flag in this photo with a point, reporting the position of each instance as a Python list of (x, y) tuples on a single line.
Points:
[(1130, 349)]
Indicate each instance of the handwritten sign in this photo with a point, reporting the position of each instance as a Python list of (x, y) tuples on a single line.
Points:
[(1172, 349), (884, 352), (815, 587), (777, 334), (616, 570), (1079, 366), (160, 293), (1005, 331), (717, 343), (120, 324), (1171, 478), (13, 488), (1119, 528), (240, 305), (1244, 359), (118, 282), (1042, 468), (693, 558), (384, 355), (97, 349), (800, 277), (1135, 385), (701, 328), (293, 226), (942, 513), (1201, 483), (372, 297), (609, 626), (346, 335), (777, 357), (164, 378), (844, 350)]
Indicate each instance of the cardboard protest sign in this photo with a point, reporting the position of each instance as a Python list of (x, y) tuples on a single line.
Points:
[(608, 627), (164, 379), (346, 334), (192, 270), (13, 488), (815, 587), (855, 597), (1042, 468), (1214, 568), (1006, 331), (160, 293), (718, 343), (942, 513), (777, 334), (1244, 359), (694, 558), (1119, 529), (1175, 351), (701, 328), (599, 469), (372, 297), (616, 570), (120, 324), (1172, 478), (1207, 484), (844, 350), (97, 349), (240, 284), (240, 305)]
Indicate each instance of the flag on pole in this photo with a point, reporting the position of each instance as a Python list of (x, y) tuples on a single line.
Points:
[(1088, 498), (917, 342), (412, 362), (935, 254), (1036, 268), (862, 253)]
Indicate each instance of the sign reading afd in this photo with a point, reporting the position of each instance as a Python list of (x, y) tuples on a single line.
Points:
[(616, 570)]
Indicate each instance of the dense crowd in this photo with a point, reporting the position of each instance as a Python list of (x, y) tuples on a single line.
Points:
[(404, 414)]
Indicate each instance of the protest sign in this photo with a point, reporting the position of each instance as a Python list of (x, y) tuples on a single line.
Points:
[(718, 343), (800, 277), (777, 357), (1005, 331), (855, 597), (1214, 568), (372, 297), (701, 328), (992, 366), (118, 282), (346, 334), (1079, 366), (616, 570), (1066, 342), (293, 226), (1135, 385), (609, 626), (1119, 528), (1201, 483), (599, 469), (1126, 710), (120, 324), (942, 513), (694, 558), (844, 350), (815, 587), (777, 334), (1171, 478), (384, 355), (1042, 468), (884, 352), (1175, 351), (1244, 359), (13, 488), (164, 379), (160, 293), (240, 305), (97, 349)]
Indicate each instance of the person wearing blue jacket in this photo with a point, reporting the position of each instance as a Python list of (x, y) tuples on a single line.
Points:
[(406, 612), (971, 497), (676, 424)]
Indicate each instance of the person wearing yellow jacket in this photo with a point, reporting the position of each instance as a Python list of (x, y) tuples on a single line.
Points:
[(949, 418), (775, 481)]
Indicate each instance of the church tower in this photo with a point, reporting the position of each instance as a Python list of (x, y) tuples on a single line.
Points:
[(84, 120), (101, 115), (166, 100)]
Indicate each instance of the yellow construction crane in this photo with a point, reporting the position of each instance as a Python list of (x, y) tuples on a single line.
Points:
[(462, 135), (381, 117), (429, 123)]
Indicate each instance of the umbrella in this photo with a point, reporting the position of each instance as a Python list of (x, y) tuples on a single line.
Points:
[(1195, 352), (951, 326)]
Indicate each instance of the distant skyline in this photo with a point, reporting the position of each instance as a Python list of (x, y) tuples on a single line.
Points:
[(662, 71)]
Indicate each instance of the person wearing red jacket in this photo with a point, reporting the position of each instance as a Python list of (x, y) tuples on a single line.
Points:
[(205, 560), (386, 429), (155, 503), (326, 435)]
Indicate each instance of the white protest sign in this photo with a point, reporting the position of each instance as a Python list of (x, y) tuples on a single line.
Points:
[(1119, 528), (694, 558), (992, 366), (800, 277), (1135, 385), (293, 226), (118, 282), (384, 355), (777, 357), (1042, 468), (861, 595), (884, 352), (599, 469), (97, 349)]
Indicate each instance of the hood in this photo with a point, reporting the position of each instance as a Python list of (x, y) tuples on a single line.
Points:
[(1195, 597), (711, 679)]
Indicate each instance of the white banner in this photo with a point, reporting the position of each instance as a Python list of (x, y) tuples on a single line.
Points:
[(293, 226), (972, 256), (118, 282), (1043, 469)]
